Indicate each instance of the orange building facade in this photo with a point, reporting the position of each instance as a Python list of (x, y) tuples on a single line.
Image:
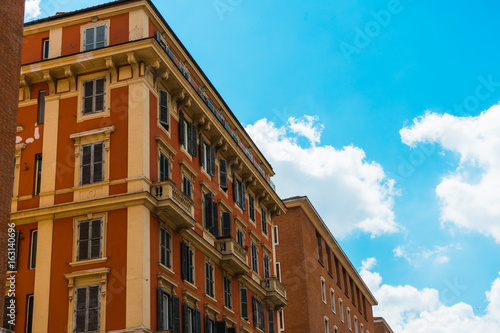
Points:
[(325, 292), (140, 203)]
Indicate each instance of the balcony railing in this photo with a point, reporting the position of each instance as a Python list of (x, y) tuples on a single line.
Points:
[(173, 205), (276, 292), (234, 257), (210, 104)]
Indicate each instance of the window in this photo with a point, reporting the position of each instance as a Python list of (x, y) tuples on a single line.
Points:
[(319, 248), (29, 313), (276, 239), (278, 271), (94, 93), (336, 263), (251, 209), (45, 48), (186, 186), (327, 329), (187, 135), (335, 329), (95, 37), (163, 109), (239, 192), (41, 107), (164, 167), (270, 319), (355, 324), (244, 302), (264, 220), (323, 290), (226, 224), (92, 163), (359, 300), (345, 282), (258, 314), (187, 261), (211, 214), (332, 299), (89, 243), (38, 173), (210, 325), (240, 237), (329, 260), (266, 266), (168, 311), (87, 309), (254, 258), (351, 286), (364, 306), (349, 325), (165, 247), (33, 243), (281, 318), (192, 320), (341, 308), (361, 328), (223, 174), (227, 292), (207, 157), (209, 279)]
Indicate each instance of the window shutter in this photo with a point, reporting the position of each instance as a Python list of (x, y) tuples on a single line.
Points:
[(93, 320), (231, 330), (95, 246), (99, 94), (220, 327), (262, 318), (212, 161), (176, 314), (244, 302), (254, 311), (181, 128), (270, 318), (185, 316), (41, 107), (164, 108), (197, 321), (89, 39), (242, 197), (223, 173), (86, 164), (208, 211), (83, 240), (235, 188), (100, 40), (80, 309), (215, 219), (88, 97), (207, 324), (160, 311), (202, 151), (194, 134), (226, 224), (98, 162), (184, 256)]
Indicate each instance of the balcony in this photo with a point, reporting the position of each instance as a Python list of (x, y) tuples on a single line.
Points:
[(234, 257), (276, 292), (173, 206)]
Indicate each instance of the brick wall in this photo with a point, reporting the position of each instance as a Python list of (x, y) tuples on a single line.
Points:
[(11, 24)]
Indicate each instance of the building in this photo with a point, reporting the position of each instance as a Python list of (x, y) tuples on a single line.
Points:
[(11, 23), (140, 202), (324, 290), (381, 326)]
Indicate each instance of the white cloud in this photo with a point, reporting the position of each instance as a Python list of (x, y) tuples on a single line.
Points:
[(31, 9), (410, 310), (349, 192), (469, 196), (421, 255)]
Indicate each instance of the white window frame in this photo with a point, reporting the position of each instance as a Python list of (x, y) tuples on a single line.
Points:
[(323, 289), (94, 26), (281, 316), (278, 270), (335, 329), (276, 235), (33, 248), (349, 322), (355, 324), (361, 327), (327, 324), (28, 308), (341, 306), (45, 48), (332, 299)]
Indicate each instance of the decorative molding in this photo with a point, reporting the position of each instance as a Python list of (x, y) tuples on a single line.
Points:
[(49, 77), (111, 65), (70, 74), (132, 61)]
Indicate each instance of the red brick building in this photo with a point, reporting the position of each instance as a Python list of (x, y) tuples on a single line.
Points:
[(324, 290), (11, 23), (149, 206), (381, 326)]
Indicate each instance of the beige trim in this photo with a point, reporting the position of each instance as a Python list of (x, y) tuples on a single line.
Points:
[(138, 24), (138, 285), (82, 279), (90, 216), (42, 277), (49, 151), (17, 171), (107, 96), (190, 298), (55, 42), (167, 283), (88, 262)]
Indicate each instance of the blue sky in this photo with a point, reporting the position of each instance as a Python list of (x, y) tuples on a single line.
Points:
[(347, 99)]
